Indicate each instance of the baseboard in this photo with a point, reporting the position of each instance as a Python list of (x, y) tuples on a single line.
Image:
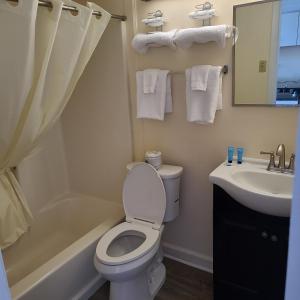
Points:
[(188, 257), (90, 289)]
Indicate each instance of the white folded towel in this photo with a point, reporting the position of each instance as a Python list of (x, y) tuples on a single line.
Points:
[(154, 105), (150, 80), (202, 14), (202, 105), (186, 37), (142, 42), (199, 77)]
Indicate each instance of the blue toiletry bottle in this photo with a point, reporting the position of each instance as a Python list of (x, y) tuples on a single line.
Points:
[(230, 154), (240, 154)]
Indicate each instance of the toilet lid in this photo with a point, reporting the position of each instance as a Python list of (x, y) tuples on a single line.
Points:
[(144, 196)]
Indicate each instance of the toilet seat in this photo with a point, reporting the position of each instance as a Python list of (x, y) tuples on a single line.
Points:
[(144, 201), (144, 196), (152, 237)]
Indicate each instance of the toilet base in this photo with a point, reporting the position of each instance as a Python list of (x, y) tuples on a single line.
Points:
[(157, 278), (143, 287), (134, 289)]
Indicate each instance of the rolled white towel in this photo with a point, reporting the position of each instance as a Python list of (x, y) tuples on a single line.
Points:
[(186, 37), (154, 22), (202, 14), (142, 42)]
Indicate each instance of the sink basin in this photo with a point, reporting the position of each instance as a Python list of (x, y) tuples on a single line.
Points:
[(253, 186), (276, 184)]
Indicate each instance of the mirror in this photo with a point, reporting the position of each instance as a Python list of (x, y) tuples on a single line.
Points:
[(266, 57)]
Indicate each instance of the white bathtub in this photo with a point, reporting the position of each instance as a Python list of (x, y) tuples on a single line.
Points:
[(54, 260)]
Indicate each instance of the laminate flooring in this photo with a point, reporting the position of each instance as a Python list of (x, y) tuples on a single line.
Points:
[(182, 283)]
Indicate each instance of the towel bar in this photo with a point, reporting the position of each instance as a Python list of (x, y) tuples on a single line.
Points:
[(225, 70)]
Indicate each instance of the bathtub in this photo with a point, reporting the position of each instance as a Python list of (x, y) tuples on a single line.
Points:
[(54, 260)]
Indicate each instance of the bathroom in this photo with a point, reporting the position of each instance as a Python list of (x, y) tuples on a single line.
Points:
[(73, 181)]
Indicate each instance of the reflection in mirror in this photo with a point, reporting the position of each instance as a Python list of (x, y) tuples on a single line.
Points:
[(267, 54)]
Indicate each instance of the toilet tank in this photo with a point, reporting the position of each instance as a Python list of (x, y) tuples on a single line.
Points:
[(170, 176)]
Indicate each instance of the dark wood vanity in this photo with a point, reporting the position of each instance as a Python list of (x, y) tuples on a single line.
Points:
[(250, 251)]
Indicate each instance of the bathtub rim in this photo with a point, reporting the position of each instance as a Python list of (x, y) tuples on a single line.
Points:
[(58, 261)]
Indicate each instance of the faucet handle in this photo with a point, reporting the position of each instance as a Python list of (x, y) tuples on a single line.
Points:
[(272, 159), (291, 166), (267, 153)]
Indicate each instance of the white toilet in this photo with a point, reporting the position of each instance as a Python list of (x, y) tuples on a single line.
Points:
[(129, 255)]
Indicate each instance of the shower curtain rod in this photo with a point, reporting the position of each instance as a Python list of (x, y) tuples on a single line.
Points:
[(48, 4)]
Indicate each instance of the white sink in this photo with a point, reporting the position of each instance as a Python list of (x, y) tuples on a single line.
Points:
[(254, 187)]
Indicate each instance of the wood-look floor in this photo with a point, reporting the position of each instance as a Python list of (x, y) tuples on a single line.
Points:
[(182, 283)]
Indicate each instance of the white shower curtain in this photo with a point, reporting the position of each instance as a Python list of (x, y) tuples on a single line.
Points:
[(42, 55)]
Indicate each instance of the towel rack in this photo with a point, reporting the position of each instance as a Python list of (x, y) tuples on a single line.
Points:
[(225, 70)]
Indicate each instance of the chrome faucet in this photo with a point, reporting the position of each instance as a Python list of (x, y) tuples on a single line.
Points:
[(281, 153), (281, 167)]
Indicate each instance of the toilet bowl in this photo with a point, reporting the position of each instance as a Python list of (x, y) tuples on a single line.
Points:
[(129, 254), (125, 249)]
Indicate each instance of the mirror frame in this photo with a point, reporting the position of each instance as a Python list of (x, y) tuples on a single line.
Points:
[(235, 7)]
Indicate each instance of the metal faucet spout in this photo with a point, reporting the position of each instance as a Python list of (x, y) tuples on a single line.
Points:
[(281, 153)]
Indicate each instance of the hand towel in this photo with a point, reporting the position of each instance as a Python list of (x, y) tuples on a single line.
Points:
[(154, 105), (199, 78), (142, 42), (150, 80), (202, 105), (186, 37)]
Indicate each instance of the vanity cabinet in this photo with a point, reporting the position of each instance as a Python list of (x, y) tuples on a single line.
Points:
[(250, 252)]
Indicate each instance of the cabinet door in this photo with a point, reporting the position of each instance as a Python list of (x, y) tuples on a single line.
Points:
[(238, 260), (289, 29), (276, 251)]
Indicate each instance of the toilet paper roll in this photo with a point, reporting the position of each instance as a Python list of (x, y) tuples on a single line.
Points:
[(153, 158)]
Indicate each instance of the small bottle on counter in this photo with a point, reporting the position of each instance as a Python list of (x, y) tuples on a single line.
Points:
[(230, 154), (240, 154)]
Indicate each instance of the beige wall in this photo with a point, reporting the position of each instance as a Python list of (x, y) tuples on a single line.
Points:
[(96, 122), (199, 149)]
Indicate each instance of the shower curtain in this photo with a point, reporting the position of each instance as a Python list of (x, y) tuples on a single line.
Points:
[(42, 55)]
